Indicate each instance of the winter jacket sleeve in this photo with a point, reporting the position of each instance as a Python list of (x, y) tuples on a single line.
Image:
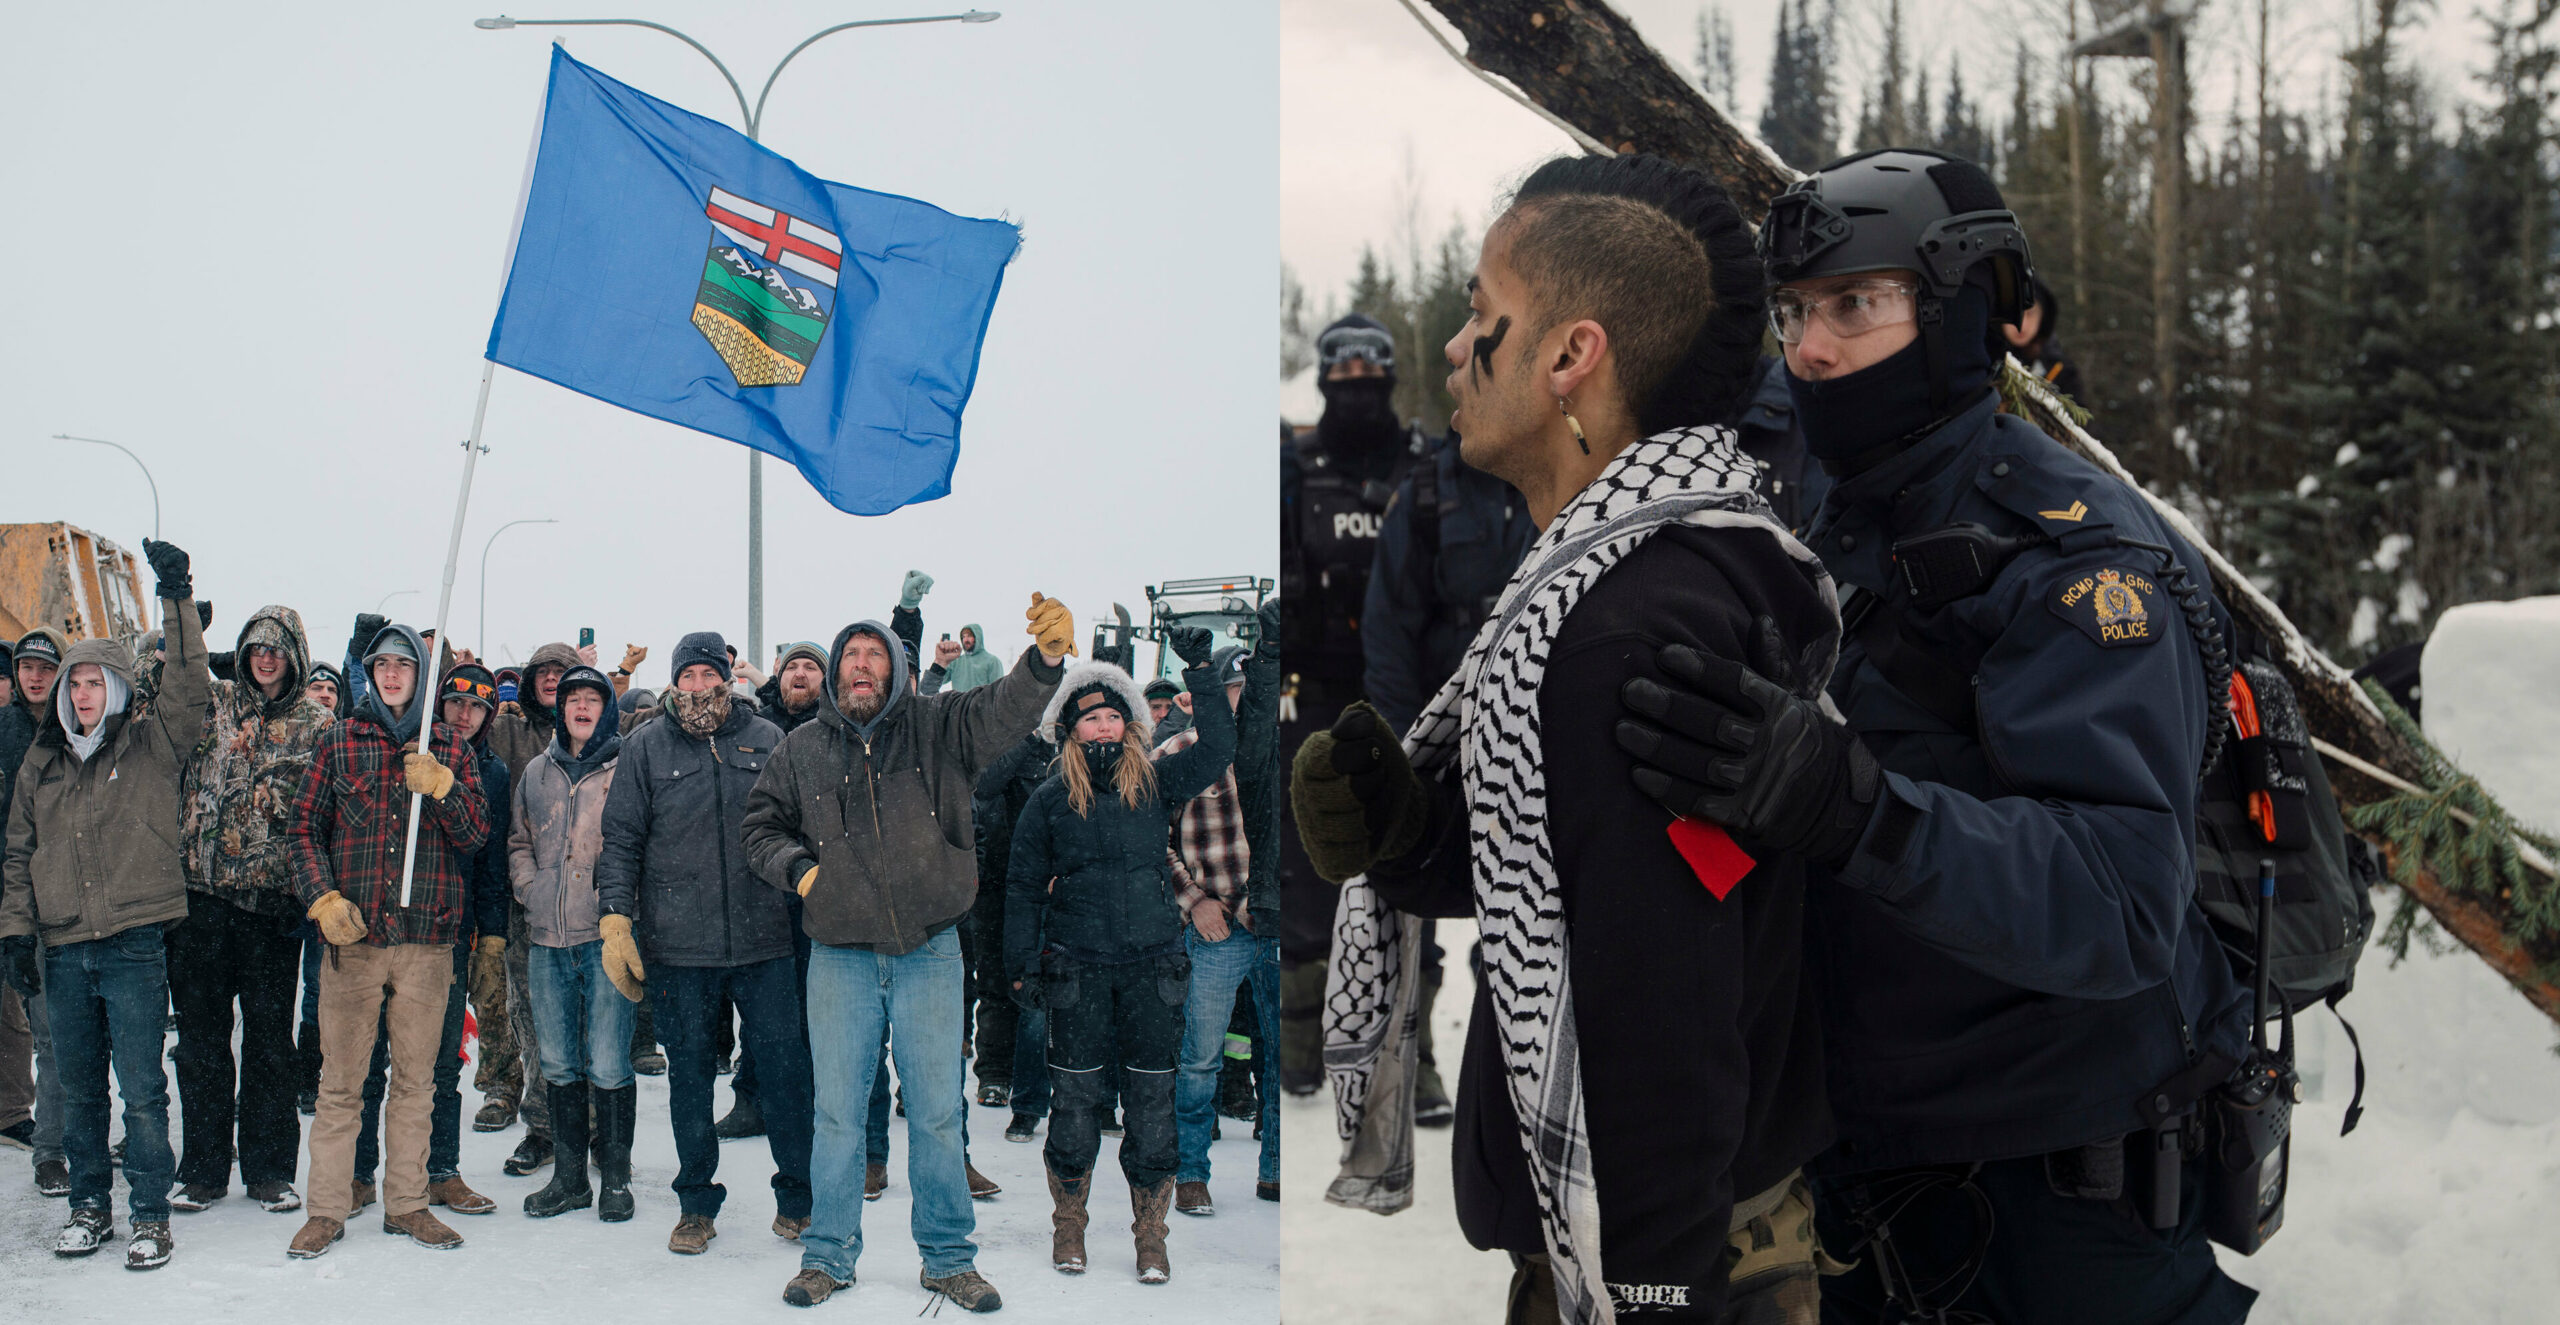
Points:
[(907, 623), (315, 823), (1393, 616), (186, 682), (771, 833), (463, 814), (987, 802), (490, 887), (626, 832), (935, 678), (1196, 767), (520, 863), (1432, 880), (978, 725), (1026, 882), (1258, 783)]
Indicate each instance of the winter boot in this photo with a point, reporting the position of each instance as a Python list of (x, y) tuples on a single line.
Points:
[(53, 1178), (693, 1235), (318, 1234), (615, 1118), (568, 1190), (744, 1119), (89, 1229), (532, 1153), (1149, 1205), (875, 1180), (456, 1195), (422, 1227), (1192, 1198), (149, 1249), (981, 1187), (1022, 1129), (197, 1196), (811, 1287), (1067, 1221), (497, 1114), (968, 1290), (275, 1196)]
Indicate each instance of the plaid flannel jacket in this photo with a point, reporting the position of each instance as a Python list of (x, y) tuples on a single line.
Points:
[(1214, 859), (351, 828)]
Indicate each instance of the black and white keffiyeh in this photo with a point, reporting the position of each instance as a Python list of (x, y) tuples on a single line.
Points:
[(1483, 725)]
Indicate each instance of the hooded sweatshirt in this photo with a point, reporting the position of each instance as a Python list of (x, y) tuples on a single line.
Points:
[(93, 838), (975, 666), (882, 807), (518, 737), (239, 787)]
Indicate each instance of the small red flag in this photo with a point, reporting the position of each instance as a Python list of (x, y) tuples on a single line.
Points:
[(1712, 854)]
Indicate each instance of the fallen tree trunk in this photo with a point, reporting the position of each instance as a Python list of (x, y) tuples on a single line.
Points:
[(1586, 65)]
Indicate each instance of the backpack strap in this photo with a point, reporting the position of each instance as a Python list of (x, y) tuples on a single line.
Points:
[(2355, 1106)]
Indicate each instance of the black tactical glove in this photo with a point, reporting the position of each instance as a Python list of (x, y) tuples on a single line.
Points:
[(223, 665), (368, 625), (1357, 799), (1736, 748), (169, 562), (1027, 991), (1266, 630), (204, 614), (22, 965), (1190, 643)]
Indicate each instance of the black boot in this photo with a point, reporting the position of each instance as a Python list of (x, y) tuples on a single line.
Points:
[(615, 1115), (568, 1190)]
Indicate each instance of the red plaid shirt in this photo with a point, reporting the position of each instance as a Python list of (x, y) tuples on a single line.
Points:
[(351, 829), (1214, 858)]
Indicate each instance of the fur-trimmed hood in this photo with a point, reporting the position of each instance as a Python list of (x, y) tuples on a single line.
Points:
[(1081, 676)]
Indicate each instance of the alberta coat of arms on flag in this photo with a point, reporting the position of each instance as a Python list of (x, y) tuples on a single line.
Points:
[(766, 290)]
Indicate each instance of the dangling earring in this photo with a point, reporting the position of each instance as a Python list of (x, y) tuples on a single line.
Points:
[(1565, 407)]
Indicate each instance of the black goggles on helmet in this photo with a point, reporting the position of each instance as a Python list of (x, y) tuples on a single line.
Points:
[(1343, 344)]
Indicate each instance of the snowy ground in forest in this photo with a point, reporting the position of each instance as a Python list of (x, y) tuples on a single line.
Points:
[(230, 1263), (2439, 1207)]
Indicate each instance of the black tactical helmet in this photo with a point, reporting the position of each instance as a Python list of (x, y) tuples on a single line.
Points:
[(1904, 208)]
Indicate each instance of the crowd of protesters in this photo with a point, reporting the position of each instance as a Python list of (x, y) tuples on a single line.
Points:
[(853, 862)]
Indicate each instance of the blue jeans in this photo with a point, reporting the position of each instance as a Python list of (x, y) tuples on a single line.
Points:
[(581, 1022), (108, 1000), (875, 1132), (689, 1008), (917, 997), (444, 1121), (1216, 970)]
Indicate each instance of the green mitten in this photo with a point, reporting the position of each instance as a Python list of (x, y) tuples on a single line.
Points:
[(1357, 799)]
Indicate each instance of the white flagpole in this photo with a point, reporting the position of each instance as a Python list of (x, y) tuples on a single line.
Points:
[(426, 692)]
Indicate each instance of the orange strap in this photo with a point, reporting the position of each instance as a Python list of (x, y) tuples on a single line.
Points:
[(2244, 715)]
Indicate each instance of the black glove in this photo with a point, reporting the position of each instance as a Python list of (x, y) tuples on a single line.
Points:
[(22, 965), (204, 614), (1357, 799), (1027, 991), (1266, 630), (1190, 643), (1734, 747), (223, 665), (169, 562), (368, 625)]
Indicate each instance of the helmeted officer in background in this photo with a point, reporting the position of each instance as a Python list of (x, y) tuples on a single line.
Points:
[(1336, 480), (2021, 1000)]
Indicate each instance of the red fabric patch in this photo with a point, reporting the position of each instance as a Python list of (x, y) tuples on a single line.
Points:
[(1712, 854)]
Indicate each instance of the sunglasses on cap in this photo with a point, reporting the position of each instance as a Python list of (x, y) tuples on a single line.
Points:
[(470, 689)]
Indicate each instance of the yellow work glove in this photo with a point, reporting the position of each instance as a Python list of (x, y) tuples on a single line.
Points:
[(1052, 626), (632, 656), (427, 777), (808, 877), (622, 956), (340, 922)]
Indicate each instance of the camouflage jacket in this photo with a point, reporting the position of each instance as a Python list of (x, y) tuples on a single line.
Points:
[(238, 792)]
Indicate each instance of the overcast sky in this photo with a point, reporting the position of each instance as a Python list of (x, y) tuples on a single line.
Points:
[(261, 245), (1378, 123)]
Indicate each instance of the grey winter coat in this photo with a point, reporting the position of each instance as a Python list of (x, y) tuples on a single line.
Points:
[(553, 846), (674, 856), (882, 808)]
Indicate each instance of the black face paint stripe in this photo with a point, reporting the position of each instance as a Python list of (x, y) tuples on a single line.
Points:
[(1485, 346)]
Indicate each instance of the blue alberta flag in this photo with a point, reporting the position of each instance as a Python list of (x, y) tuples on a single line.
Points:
[(667, 264)]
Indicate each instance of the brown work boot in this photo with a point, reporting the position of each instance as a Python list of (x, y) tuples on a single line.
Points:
[(360, 1197), (497, 1114), (318, 1233), (1149, 1205), (875, 1180), (968, 1290), (811, 1287), (456, 1195), (981, 1187), (149, 1249), (790, 1227), (693, 1235), (423, 1228), (1192, 1198), (1067, 1221)]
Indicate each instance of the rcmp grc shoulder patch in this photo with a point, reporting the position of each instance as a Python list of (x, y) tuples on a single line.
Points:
[(2117, 608)]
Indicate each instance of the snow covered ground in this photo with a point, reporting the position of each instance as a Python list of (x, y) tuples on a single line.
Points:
[(2439, 1208), (230, 1263)]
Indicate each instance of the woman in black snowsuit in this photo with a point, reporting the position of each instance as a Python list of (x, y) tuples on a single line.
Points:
[(1094, 935)]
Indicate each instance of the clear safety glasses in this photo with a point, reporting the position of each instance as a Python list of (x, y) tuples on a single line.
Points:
[(1849, 311)]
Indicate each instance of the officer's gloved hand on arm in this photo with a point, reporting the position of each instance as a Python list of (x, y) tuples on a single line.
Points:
[(1192, 644), (1357, 799), (22, 965), (1747, 749)]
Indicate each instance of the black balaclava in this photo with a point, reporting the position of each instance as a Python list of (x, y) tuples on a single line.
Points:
[(1359, 413), (1853, 422)]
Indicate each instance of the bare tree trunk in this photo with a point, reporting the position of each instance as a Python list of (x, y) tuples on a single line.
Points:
[(2168, 188)]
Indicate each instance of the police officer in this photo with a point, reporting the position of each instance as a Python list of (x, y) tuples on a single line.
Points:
[(1789, 478), (2021, 1000), (1336, 481)]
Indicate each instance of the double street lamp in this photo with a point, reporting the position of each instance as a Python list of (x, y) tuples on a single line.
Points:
[(754, 119), (137, 460)]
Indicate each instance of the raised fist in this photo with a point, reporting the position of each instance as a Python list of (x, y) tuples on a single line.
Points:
[(945, 652), (632, 656), (169, 563), (1191, 644)]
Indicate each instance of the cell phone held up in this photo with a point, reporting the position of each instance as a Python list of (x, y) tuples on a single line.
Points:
[(586, 637)]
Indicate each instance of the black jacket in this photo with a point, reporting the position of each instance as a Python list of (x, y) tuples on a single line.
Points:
[(674, 856), (17, 732), (1004, 787), (1112, 895), (1700, 1055), (491, 889)]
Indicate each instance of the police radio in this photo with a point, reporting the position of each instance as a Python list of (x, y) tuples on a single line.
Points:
[(2252, 1117)]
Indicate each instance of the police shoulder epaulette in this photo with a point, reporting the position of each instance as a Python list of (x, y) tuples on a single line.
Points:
[(2055, 503)]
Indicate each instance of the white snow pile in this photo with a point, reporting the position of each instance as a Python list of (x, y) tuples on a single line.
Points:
[(230, 1263), (2492, 701)]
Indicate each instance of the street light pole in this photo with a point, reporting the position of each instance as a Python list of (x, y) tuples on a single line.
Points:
[(753, 118), (481, 640), (137, 460), (386, 599)]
